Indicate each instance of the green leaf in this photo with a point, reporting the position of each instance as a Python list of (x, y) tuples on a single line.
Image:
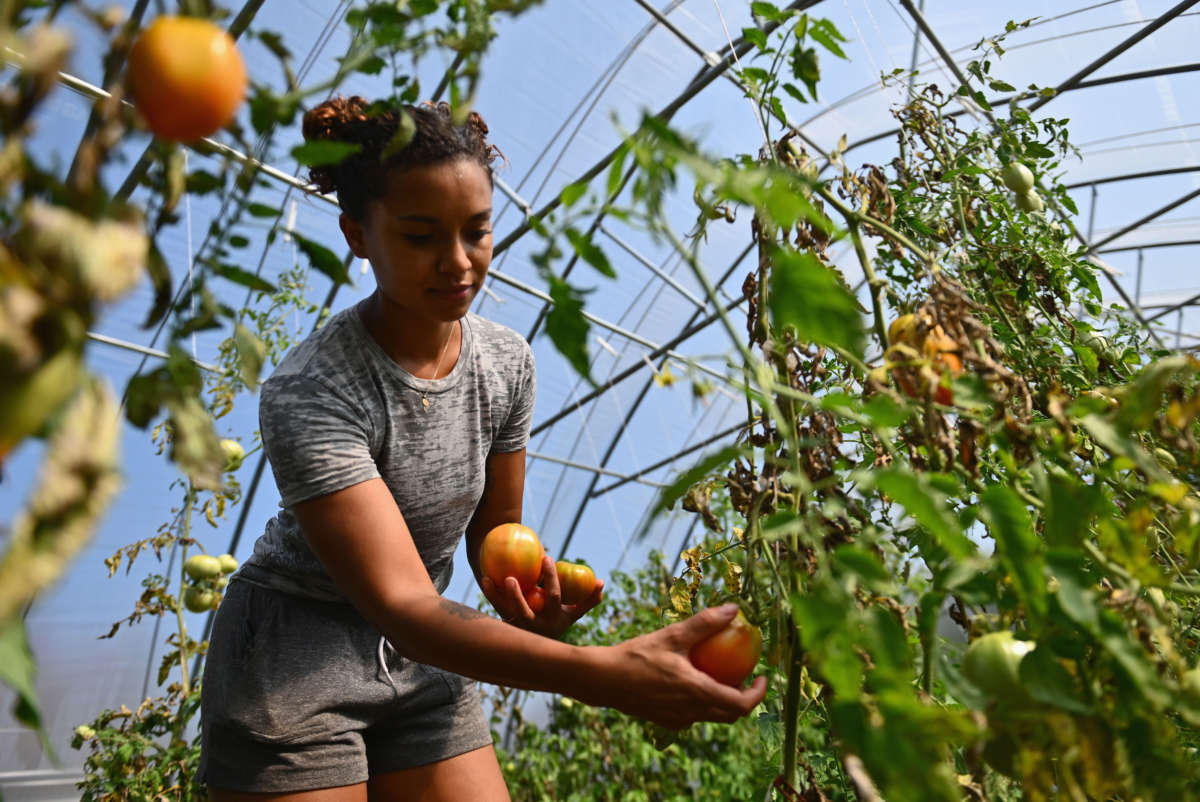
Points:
[(886, 413), (766, 11), (18, 670), (590, 251), (323, 152), (1048, 682), (323, 259), (755, 37), (711, 462), (926, 505), (1017, 545), (262, 210), (572, 193), (566, 326), (865, 565), (252, 352), (160, 279), (1087, 357), (1070, 509), (243, 277), (811, 298), (827, 35), (200, 182)]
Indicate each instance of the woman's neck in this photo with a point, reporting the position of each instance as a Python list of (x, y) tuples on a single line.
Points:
[(428, 350)]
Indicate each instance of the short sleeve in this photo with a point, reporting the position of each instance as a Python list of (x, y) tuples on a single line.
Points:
[(514, 433), (316, 440)]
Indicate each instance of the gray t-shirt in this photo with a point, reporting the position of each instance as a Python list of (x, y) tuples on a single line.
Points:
[(339, 411)]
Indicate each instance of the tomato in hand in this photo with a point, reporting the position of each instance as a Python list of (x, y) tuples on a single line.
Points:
[(731, 654), (576, 580), (536, 599), (512, 550), (186, 77)]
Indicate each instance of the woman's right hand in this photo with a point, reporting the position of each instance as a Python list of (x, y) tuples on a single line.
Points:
[(651, 676)]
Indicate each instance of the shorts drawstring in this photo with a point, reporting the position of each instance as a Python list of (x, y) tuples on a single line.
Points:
[(383, 666)]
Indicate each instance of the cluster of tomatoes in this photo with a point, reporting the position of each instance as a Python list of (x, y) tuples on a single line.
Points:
[(1019, 179), (922, 357), (209, 575), (515, 550)]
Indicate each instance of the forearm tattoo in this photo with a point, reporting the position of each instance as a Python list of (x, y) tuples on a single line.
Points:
[(462, 611)]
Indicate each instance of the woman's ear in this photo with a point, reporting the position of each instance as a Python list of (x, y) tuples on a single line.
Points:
[(355, 234)]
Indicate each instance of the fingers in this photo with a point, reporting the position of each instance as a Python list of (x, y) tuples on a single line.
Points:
[(549, 582), (703, 624)]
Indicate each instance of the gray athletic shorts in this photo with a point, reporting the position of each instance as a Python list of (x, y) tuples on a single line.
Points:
[(296, 697)]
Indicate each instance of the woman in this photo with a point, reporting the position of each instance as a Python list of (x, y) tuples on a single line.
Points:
[(336, 669)]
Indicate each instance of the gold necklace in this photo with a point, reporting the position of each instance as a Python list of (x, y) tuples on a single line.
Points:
[(445, 347)]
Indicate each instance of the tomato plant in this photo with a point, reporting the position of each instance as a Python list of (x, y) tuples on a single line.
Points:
[(730, 655), (512, 550), (576, 580), (186, 77)]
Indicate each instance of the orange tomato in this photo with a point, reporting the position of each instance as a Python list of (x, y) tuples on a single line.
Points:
[(186, 77), (577, 581), (731, 654), (512, 550)]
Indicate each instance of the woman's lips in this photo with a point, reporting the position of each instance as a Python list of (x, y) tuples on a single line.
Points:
[(459, 293)]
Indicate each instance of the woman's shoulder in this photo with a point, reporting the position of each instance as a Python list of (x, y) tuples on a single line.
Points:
[(325, 354), (496, 337)]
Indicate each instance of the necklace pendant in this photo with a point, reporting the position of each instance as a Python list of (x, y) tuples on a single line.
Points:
[(425, 402)]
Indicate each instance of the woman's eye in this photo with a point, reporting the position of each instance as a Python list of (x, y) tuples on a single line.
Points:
[(480, 234), (417, 239)]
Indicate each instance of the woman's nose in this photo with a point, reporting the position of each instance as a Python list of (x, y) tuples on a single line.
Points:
[(454, 258)]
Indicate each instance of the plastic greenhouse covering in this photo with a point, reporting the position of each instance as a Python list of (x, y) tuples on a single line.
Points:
[(560, 84)]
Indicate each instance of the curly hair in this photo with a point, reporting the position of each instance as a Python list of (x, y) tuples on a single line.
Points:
[(358, 178)]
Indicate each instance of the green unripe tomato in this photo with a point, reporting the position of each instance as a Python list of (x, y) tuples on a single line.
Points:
[(1166, 458), (228, 563), (234, 454), (202, 566), (1030, 202), (993, 664), (1017, 177), (199, 600)]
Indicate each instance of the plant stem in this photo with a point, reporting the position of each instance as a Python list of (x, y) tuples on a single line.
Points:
[(873, 281), (791, 708), (183, 634)]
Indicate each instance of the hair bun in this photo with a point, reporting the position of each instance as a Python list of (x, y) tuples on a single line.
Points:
[(331, 119)]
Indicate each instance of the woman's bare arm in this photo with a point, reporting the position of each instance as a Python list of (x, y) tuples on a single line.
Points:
[(364, 543)]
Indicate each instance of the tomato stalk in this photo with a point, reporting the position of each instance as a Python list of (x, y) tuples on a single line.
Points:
[(791, 707), (183, 634), (873, 281)]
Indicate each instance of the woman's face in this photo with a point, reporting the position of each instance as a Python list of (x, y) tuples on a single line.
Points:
[(429, 239)]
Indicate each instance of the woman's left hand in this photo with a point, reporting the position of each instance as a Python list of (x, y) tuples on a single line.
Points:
[(554, 618)]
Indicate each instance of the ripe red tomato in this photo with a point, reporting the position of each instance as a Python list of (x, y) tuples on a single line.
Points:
[(512, 550), (577, 581), (186, 77), (731, 654), (536, 599)]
